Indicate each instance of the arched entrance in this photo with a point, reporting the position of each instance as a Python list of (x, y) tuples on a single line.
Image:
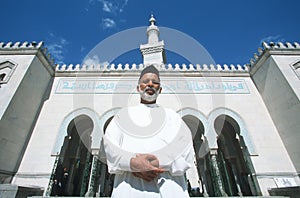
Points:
[(233, 158), (100, 182), (200, 148), (74, 161)]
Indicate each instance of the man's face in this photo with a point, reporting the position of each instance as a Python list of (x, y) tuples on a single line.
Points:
[(149, 87)]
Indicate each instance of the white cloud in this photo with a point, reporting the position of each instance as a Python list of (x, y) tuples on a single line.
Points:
[(111, 10), (124, 4), (275, 39), (57, 47), (108, 23), (91, 60), (108, 6), (113, 6), (95, 60)]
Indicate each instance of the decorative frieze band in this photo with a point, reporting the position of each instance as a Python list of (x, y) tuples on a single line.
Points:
[(152, 50)]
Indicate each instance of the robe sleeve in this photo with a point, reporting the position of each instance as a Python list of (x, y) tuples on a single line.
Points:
[(183, 162), (118, 160)]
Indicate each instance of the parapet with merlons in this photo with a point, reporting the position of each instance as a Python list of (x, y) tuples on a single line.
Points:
[(272, 48), (38, 49), (165, 69), (29, 48)]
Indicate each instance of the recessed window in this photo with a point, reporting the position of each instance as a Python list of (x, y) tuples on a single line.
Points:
[(6, 70), (2, 76), (296, 68)]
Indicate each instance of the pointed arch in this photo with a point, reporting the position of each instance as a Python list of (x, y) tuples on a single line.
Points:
[(236, 121), (96, 134), (198, 174), (73, 152), (85, 129), (233, 156), (196, 113), (197, 122)]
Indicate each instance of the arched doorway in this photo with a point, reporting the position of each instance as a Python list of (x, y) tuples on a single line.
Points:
[(200, 148), (233, 158), (74, 161)]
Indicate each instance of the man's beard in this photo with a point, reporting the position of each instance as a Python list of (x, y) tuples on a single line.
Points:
[(147, 97)]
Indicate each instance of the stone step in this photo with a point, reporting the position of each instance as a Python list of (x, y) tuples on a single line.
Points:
[(193, 197)]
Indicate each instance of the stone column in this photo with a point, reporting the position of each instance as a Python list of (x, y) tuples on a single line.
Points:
[(227, 179), (237, 181), (49, 189), (102, 178), (91, 187), (86, 175), (216, 174)]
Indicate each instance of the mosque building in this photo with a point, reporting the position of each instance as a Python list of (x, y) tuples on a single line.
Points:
[(245, 120)]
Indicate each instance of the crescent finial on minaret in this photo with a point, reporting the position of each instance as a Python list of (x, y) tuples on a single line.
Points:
[(152, 19)]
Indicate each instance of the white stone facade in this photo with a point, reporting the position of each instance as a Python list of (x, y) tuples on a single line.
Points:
[(22, 96), (260, 102)]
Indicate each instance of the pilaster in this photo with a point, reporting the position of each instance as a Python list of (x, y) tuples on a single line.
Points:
[(216, 174), (93, 176)]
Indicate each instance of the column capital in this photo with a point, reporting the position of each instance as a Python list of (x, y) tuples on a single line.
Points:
[(213, 151), (95, 152)]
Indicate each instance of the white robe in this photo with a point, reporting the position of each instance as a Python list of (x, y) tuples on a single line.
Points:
[(170, 142)]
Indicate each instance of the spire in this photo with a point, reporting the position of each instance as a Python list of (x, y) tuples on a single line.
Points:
[(153, 51), (152, 31)]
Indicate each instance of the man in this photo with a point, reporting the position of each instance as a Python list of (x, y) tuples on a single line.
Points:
[(148, 147)]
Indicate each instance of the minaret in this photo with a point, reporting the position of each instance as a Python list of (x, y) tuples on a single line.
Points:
[(153, 52)]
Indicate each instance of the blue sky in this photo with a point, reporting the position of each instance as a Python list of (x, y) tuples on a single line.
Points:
[(231, 31)]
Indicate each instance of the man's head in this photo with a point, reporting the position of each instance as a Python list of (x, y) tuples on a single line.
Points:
[(149, 85)]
